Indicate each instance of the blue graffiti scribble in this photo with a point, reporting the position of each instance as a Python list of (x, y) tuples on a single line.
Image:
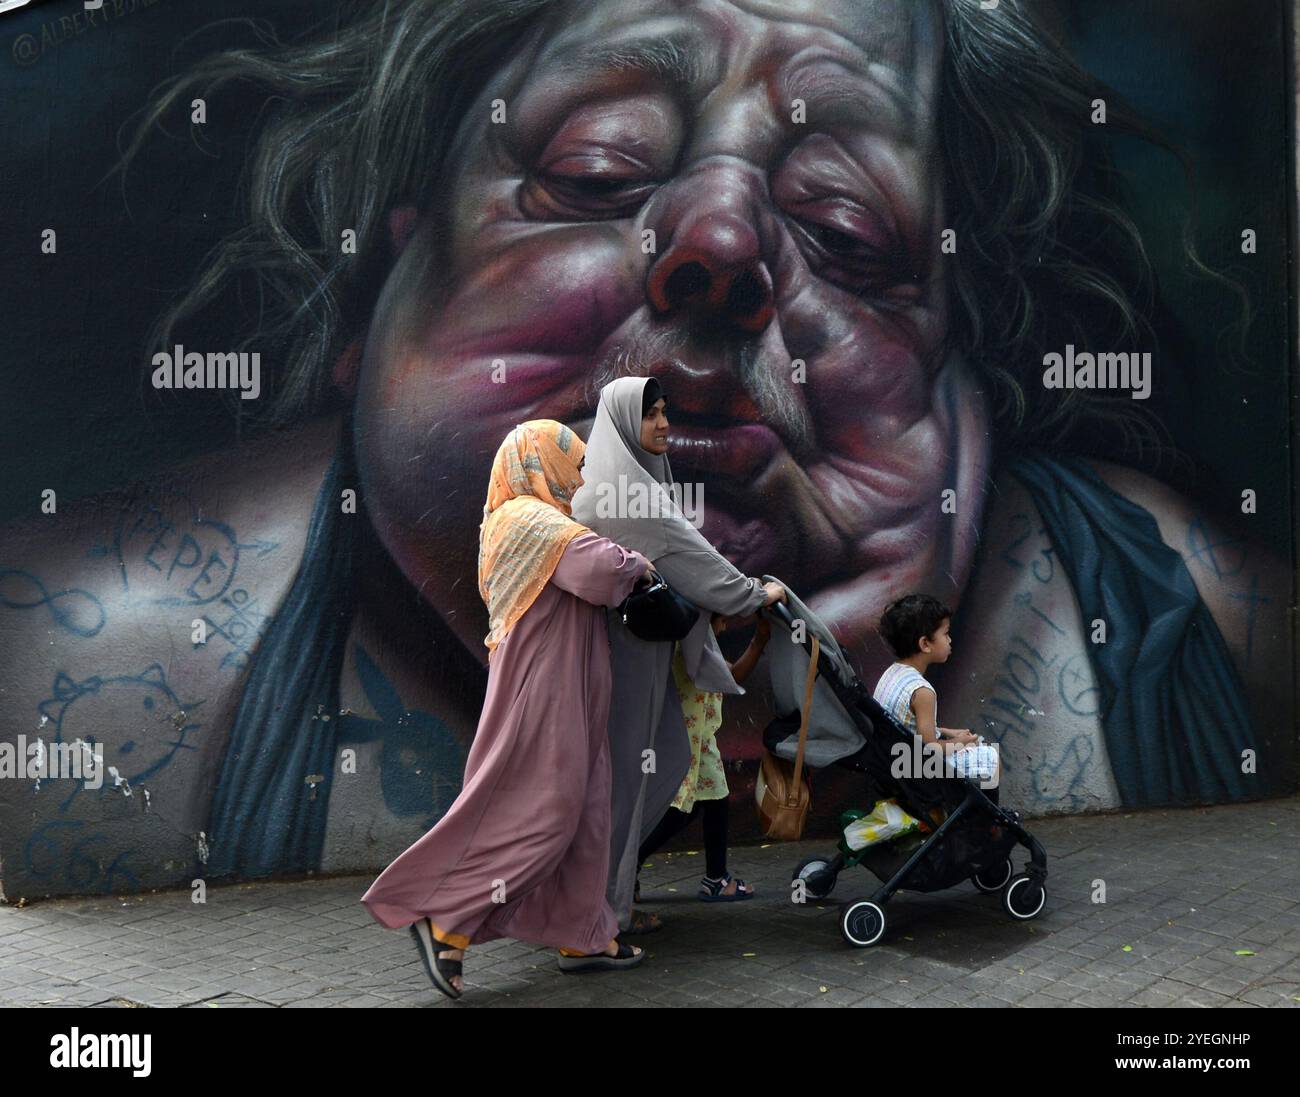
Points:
[(199, 561), (83, 870), (137, 718), (241, 628), (1252, 599), (1214, 555), (1073, 764), (73, 609)]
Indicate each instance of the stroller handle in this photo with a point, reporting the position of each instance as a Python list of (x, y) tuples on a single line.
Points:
[(782, 613)]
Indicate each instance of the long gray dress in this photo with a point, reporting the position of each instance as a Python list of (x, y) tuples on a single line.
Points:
[(648, 742)]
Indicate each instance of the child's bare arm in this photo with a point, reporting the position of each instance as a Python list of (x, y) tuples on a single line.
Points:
[(742, 667), (923, 705), (961, 735)]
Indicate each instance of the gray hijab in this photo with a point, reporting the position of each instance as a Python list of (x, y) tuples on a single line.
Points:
[(619, 475)]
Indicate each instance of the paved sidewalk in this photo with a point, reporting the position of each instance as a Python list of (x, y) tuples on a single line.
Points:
[(1203, 909)]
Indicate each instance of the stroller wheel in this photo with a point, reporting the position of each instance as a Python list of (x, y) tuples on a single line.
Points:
[(818, 880), (1023, 899), (862, 924), (995, 878)]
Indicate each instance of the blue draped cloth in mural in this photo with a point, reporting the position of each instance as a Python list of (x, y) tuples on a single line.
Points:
[(268, 814), (1174, 710)]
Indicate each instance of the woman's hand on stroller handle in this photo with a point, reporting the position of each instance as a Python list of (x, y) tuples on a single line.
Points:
[(781, 611)]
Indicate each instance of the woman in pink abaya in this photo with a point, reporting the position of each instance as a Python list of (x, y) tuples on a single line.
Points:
[(524, 850)]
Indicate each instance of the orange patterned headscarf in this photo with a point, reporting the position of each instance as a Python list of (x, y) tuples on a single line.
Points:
[(526, 524)]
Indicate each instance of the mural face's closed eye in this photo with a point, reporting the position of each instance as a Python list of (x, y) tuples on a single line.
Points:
[(845, 224), (604, 162)]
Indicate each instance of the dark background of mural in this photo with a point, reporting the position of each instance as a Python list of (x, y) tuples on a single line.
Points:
[(80, 413)]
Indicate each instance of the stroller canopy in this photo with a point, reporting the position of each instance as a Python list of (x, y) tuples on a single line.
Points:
[(832, 732)]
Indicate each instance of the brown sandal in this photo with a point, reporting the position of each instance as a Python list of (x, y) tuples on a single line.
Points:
[(643, 922)]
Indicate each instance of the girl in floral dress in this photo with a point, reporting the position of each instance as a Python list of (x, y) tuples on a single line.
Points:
[(704, 792)]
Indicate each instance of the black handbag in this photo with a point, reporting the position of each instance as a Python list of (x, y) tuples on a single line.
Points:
[(657, 612)]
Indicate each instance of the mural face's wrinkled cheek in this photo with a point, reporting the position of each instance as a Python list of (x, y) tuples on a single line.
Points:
[(515, 339)]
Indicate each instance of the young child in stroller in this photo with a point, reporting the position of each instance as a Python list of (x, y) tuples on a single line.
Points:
[(916, 627), (940, 822)]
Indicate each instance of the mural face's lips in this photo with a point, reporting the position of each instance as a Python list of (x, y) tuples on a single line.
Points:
[(738, 452), (731, 457)]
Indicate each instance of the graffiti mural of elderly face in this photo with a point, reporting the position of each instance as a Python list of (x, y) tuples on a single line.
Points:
[(848, 237), (781, 161), (750, 201)]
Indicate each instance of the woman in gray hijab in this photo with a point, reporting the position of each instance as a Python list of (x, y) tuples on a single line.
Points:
[(629, 498)]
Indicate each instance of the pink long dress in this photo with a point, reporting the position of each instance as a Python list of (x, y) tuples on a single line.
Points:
[(524, 850)]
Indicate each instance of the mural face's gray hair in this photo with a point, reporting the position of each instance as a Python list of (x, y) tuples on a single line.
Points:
[(364, 117)]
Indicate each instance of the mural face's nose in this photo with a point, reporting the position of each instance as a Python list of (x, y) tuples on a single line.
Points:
[(713, 272)]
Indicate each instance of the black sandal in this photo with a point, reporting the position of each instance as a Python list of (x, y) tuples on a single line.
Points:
[(431, 949), (714, 890), (599, 961)]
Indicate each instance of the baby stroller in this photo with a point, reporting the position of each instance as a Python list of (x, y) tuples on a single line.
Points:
[(970, 837)]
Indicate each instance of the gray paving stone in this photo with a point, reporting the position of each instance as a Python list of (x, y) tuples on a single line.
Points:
[(1186, 890)]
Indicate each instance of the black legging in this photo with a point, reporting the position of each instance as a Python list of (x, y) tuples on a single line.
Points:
[(714, 814)]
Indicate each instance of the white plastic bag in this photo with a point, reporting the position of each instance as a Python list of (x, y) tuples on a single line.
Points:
[(883, 823)]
